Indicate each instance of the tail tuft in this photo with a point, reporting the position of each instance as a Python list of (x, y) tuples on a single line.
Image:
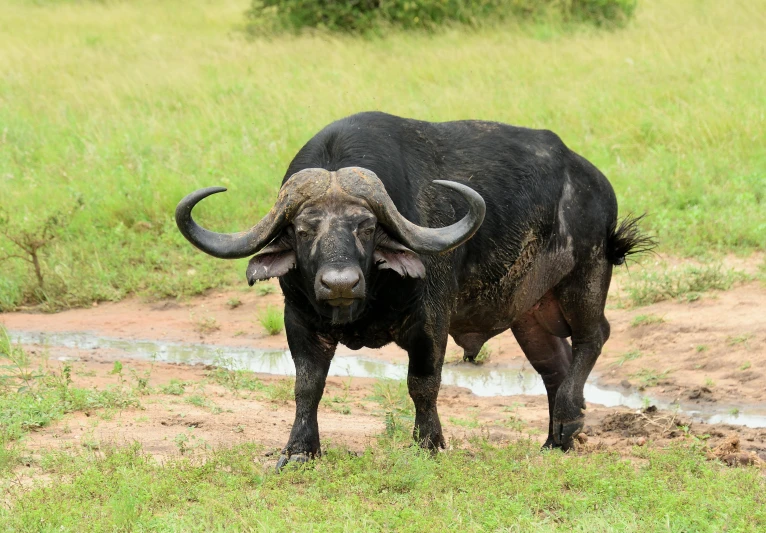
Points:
[(626, 239)]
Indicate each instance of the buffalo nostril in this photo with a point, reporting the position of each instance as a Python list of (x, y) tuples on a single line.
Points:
[(344, 283)]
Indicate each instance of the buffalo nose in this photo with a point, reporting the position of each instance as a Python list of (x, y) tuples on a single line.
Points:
[(345, 283)]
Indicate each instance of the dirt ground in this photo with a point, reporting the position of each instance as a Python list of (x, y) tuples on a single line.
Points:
[(208, 415), (711, 351)]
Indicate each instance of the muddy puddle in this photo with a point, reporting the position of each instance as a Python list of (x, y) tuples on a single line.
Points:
[(496, 381)]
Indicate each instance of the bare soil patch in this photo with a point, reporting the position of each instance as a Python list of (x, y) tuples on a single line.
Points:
[(207, 415), (707, 351)]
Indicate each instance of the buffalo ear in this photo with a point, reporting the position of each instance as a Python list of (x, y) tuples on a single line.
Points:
[(273, 261), (390, 254)]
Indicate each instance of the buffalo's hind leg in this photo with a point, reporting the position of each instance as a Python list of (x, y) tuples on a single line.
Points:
[(581, 297), (549, 354)]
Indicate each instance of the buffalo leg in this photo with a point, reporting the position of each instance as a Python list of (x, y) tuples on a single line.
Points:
[(582, 297), (426, 355), (548, 354), (311, 354)]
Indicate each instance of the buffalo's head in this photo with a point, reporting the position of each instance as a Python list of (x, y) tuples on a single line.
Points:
[(334, 227)]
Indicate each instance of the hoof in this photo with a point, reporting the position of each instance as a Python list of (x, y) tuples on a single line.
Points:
[(550, 444), (295, 459), (566, 431)]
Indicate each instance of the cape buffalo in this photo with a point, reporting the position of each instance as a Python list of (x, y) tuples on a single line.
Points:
[(371, 245)]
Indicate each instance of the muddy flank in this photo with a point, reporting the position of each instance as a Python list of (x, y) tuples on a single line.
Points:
[(708, 352)]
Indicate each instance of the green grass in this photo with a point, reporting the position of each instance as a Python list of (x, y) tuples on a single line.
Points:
[(174, 387), (684, 283), (514, 488), (115, 110), (484, 355), (262, 289), (646, 320), (33, 397), (272, 319), (630, 355), (650, 377), (281, 390)]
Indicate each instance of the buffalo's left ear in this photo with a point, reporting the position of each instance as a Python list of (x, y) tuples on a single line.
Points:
[(273, 261), (390, 254)]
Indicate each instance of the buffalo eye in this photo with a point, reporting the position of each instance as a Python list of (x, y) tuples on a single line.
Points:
[(302, 234), (367, 232)]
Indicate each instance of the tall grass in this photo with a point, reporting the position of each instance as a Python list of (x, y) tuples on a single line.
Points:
[(127, 106)]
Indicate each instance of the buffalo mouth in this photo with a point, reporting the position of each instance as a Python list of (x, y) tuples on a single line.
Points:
[(342, 302)]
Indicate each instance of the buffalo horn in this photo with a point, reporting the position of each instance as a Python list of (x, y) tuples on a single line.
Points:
[(418, 238)]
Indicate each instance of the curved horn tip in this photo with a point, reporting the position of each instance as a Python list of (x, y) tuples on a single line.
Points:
[(193, 198), (454, 185), (465, 189), (207, 191)]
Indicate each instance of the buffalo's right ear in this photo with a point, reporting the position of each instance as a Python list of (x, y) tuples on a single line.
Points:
[(273, 261), (393, 255)]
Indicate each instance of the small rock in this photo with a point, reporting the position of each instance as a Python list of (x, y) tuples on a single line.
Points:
[(582, 438), (640, 441), (626, 384)]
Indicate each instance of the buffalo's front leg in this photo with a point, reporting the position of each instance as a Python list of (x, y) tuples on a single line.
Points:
[(426, 355), (311, 354)]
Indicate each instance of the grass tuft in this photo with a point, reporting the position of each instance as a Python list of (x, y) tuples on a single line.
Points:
[(646, 320), (650, 377), (686, 283), (272, 319), (631, 355)]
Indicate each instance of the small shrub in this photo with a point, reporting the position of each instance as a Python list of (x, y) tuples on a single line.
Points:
[(363, 16), (29, 239), (272, 319)]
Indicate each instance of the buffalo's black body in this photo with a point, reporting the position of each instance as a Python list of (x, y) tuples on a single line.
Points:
[(540, 264), (355, 270)]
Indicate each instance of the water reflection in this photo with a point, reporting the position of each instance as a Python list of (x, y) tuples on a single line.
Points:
[(506, 381)]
